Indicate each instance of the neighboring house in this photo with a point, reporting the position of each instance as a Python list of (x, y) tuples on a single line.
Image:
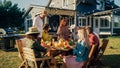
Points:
[(102, 15)]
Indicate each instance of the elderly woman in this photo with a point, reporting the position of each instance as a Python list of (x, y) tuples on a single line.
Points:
[(31, 42)]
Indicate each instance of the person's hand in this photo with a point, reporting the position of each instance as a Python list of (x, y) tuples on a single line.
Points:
[(48, 48)]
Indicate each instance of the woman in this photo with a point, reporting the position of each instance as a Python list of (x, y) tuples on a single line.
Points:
[(82, 47), (80, 52), (31, 42), (63, 30)]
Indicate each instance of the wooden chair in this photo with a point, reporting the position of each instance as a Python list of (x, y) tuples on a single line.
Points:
[(29, 55), (20, 51), (20, 46), (102, 48), (91, 56)]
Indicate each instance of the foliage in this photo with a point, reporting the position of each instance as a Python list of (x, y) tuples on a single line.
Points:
[(10, 15)]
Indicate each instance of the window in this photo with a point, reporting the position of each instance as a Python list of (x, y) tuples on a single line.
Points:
[(96, 23), (65, 3), (29, 21), (116, 22), (79, 22), (104, 22), (82, 21)]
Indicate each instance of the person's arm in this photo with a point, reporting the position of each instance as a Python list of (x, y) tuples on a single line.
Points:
[(38, 47)]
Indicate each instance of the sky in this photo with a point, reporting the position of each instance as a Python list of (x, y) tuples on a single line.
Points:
[(25, 3)]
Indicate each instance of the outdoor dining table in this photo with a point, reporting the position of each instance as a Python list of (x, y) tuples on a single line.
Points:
[(58, 51)]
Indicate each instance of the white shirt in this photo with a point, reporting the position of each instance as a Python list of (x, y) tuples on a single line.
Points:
[(38, 23)]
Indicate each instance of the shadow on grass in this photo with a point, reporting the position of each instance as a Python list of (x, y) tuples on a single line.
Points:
[(111, 61)]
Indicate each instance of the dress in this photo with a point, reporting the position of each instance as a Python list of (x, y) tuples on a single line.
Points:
[(38, 23), (64, 32), (71, 62)]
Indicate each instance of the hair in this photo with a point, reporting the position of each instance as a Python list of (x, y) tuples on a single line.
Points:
[(84, 36), (46, 26), (63, 22), (89, 29)]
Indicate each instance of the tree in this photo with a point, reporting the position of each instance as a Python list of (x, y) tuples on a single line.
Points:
[(10, 15)]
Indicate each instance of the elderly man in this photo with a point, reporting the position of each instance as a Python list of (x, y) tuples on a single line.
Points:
[(38, 23)]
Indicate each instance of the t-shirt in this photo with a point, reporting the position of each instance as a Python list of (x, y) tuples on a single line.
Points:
[(93, 39), (46, 36), (38, 23)]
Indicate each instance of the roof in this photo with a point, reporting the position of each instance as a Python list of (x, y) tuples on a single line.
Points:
[(106, 12), (47, 8)]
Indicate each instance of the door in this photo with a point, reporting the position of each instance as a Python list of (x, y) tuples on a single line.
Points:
[(96, 25)]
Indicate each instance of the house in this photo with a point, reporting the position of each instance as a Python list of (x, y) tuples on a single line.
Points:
[(56, 11), (102, 15)]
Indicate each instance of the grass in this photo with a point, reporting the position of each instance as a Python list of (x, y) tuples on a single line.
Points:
[(111, 58), (9, 59)]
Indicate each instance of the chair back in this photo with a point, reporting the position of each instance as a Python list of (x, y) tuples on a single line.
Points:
[(29, 55), (102, 47), (19, 47), (90, 56)]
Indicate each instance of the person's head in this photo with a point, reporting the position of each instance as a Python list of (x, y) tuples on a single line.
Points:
[(46, 27), (82, 33), (43, 14), (89, 29), (76, 29), (63, 22), (32, 33), (66, 19)]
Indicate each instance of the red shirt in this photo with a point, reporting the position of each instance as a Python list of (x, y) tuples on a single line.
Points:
[(93, 39)]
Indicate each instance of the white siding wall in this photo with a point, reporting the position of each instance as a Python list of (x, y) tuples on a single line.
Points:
[(59, 4)]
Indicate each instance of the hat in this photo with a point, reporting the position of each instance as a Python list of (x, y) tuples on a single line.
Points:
[(33, 30), (38, 13)]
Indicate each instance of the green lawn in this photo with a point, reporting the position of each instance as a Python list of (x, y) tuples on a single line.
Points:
[(111, 58)]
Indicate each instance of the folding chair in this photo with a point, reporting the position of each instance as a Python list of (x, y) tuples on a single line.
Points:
[(102, 48), (29, 55), (91, 56)]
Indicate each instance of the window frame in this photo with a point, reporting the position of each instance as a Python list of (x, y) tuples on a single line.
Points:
[(65, 3), (118, 18), (104, 18), (80, 20)]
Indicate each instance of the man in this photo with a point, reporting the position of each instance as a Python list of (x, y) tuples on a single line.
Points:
[(38, 23), (93, 38)]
